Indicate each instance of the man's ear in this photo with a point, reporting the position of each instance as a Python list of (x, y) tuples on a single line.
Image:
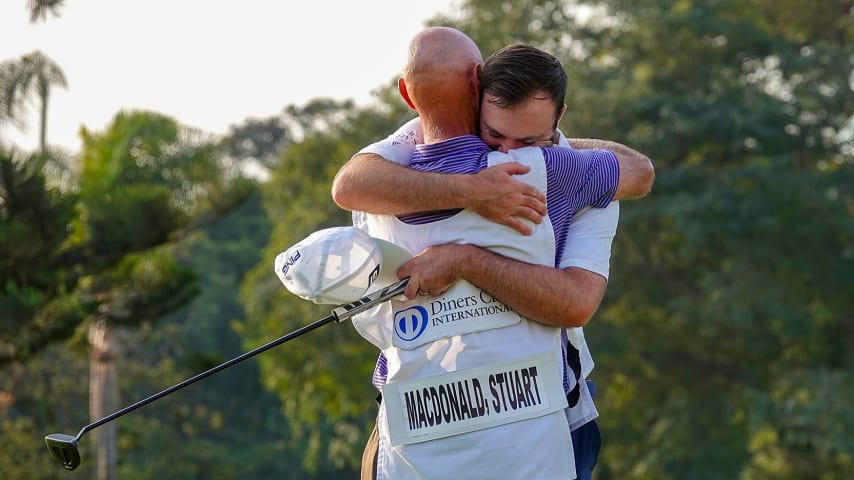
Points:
[(475, 85), (556, 135), (401, 87)]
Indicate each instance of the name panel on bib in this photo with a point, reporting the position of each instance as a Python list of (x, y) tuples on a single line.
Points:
[(473, 399), (463, 309)]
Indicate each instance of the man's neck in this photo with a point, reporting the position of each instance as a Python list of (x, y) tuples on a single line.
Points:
[(438, 130)]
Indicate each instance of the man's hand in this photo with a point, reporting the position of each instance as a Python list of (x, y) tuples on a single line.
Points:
[(565, 297), (434, 270), (496, 196)]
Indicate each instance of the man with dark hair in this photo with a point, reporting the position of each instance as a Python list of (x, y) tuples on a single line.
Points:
[(507, 80)]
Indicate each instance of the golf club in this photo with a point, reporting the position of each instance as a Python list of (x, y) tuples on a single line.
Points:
[(64, 448)]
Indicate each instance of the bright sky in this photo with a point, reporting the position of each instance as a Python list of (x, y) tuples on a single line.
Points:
[(208, 63)]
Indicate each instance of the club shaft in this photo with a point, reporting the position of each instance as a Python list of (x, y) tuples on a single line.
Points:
[(189, 381), (339, 314)]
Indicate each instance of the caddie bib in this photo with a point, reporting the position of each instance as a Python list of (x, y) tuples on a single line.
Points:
[(469, 380)]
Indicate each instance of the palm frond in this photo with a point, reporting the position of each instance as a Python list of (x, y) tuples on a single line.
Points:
[(39, 9)]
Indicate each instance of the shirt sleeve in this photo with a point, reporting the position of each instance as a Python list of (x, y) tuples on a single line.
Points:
[(399, 146), (582, 177), (589, 238)]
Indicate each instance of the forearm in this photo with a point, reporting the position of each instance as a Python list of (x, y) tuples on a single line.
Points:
[(370, 183), (636, 170), (558, 297)]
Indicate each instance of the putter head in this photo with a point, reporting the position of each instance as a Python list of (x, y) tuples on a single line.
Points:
[(64, 449)]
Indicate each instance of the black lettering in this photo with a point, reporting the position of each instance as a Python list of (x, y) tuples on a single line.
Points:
[(422, 416), (445, 403), (437, 412), (495, 403), (520, 392), (429, 414), (533, 371), (464, 404), (511, 390), (526, 382), (472, 409), (501, 381), (411, 413), (486, 298), (478, 395), (453, 397)]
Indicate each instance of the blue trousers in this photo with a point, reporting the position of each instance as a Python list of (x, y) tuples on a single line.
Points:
[(586, 443)]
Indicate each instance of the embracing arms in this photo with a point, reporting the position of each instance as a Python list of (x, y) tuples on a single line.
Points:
[(370, 183)]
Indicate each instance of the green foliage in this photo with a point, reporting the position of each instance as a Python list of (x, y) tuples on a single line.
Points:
[(146, 183), (730, 289), (493, 24), (33, 219), (35, 397), (323, 378), (261, 140), (713, 299), (724, 343), (151, 149), (226, 426)]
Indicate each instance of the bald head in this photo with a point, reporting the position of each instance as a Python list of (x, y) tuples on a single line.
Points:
[(437, 51), (440, 77)]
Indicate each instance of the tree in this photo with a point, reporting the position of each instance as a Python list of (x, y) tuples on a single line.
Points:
[(39, 9), (101, 258), (33, 228), (33, 73), (723, 344), (224, 427), (323, 381), (144, 180), (718, 341), (257, 140)]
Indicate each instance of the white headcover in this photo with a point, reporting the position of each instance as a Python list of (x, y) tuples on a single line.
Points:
[(339, 265)]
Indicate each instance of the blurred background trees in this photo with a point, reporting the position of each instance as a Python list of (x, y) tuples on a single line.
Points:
[(723, 346), (32, 74)]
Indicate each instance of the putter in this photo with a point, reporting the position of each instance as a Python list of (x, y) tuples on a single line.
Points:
[(64, 448)]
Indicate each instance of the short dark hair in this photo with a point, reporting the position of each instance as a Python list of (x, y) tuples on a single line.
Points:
[(515, 72)]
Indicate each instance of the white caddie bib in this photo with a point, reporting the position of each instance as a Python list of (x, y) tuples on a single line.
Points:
[(468, 379)]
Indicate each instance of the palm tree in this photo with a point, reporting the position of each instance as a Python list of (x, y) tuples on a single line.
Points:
[(40, 8), (34, 72)]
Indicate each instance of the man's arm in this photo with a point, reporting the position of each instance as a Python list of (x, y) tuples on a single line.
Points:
[(566, 296), (370, 183), (560, 297), (636, 170)]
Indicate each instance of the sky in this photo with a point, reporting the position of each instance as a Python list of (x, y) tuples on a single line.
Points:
[(208, 64)]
